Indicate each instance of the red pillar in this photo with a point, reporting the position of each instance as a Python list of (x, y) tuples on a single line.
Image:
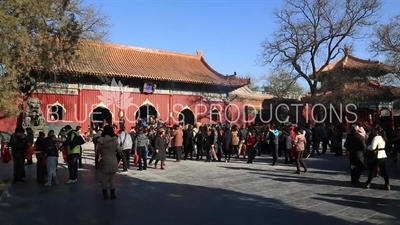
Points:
[(378, 114), (78, 113), (346, 119), (392, 117)]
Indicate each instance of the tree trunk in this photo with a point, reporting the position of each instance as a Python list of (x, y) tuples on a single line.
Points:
[(313, 91)]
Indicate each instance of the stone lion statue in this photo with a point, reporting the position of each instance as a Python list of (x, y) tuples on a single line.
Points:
[(34, 115)]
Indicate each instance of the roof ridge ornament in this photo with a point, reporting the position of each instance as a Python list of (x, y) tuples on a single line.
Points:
[(199, 53), (347, 51)]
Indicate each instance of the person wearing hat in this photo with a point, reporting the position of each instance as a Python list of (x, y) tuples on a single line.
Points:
[(18, 145)]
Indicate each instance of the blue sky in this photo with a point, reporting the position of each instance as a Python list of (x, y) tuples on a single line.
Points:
[(228, 32)]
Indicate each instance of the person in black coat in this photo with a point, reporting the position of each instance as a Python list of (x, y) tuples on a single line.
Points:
[(309, 138), (369, 156), (160, 147), (356, 145), (209, 144), (227, 144), (19, 145), (188, 142), (200, 142), (287, 144), (396, 146), (41, 169), (29, 137)]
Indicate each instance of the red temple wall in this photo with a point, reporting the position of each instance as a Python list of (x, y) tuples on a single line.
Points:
[(164, 103), (236, 112), (90, 99), (69, 102), (79, 107)]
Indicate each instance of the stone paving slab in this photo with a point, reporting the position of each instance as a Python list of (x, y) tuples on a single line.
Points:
[(195, 192)]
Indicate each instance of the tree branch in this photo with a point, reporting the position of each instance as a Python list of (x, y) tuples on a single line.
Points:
[(307, 27)]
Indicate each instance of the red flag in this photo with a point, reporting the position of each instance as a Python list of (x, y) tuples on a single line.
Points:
[(6, 154), (64, 153), (135, 159), (29, 152)]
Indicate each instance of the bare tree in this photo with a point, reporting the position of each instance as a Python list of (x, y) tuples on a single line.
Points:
[(312, 32), (387, 41), (389, 79), (40, 37), (282, 84), (254, 82)]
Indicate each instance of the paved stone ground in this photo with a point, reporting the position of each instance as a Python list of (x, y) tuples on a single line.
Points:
[(194, 192)]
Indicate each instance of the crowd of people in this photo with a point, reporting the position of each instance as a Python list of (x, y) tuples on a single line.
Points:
[(214, 142), (46, 148)]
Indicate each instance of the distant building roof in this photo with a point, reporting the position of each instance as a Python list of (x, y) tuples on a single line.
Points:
[(245, 93), (352, 63)]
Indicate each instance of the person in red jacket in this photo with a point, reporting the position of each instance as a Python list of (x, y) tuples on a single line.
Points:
[(250, 145)]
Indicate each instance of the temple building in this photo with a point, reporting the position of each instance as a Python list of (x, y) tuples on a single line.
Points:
[(351, 80), (116, 83)]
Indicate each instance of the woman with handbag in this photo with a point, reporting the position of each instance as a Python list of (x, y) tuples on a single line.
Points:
[(377, 146), (299, 145), (107, 146)]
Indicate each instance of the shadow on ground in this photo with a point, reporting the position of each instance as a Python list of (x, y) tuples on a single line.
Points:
[(280, 176), (326, 162), (387, 207), (291, 168), (146, 202)]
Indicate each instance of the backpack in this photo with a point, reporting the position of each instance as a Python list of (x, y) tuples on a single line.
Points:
[(123, 141), (309, 135), (273, 137), (50, 146), (282, 137), (76, 139), (266, 137)]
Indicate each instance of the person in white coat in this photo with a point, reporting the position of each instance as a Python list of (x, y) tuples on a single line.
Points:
[(378, 146)]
